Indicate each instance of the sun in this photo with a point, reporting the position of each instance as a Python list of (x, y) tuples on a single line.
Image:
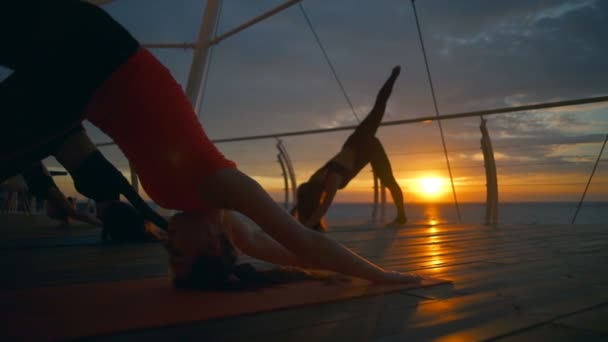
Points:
[(431, 186)]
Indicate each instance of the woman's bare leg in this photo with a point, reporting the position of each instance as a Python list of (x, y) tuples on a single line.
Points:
[(368, 127), (382, 168)]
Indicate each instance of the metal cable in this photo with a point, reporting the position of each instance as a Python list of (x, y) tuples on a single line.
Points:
[(428, 73), (331, 66), (599, 157)]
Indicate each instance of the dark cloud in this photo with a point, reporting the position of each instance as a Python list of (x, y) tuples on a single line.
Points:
[(543, 51)]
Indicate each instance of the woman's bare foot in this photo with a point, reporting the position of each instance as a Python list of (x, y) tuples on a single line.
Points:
[(398, 221)]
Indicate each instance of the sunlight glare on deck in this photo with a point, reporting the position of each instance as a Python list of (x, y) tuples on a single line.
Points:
[(433, 249)]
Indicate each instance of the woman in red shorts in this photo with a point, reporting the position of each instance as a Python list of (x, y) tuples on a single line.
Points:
[(96, 70)]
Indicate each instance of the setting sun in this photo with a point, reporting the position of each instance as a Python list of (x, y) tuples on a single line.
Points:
[(431, 186)]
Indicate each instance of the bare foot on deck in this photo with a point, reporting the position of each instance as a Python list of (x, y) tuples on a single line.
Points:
[(397, 222)]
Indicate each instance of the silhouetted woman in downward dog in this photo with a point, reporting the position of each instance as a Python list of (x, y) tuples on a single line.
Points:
[(362, 147)]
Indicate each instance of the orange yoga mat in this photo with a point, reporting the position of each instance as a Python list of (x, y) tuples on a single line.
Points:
[(103, 308)]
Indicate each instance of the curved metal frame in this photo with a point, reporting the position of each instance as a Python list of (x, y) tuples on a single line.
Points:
[(285, 180), (491, 177), (289, 166)]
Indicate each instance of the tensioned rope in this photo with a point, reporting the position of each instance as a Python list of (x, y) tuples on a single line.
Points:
[(599, 157), (331, 66), (428, 73)]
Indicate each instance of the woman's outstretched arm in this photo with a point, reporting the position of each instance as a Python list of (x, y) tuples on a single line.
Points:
[(231, 189), (254, 242)]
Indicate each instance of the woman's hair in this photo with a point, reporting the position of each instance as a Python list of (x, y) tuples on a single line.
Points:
[(122, 223), (209, 271)]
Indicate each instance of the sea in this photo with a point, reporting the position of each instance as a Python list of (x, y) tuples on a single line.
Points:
[(527, 213)]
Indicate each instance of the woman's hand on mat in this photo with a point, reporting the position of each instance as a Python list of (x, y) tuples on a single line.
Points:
[(390, 277)]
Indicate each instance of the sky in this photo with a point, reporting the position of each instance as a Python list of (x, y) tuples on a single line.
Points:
[(482, 54)]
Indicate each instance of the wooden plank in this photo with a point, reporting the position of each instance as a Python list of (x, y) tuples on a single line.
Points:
[(515, 281), (593, 320), (555, 333), (486, 312), (70, 265), (474, 317), (526, 313)]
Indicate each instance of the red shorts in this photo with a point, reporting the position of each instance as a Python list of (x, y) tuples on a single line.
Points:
[(144, 110)]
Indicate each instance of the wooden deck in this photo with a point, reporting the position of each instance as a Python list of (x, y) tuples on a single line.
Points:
[(511, 283)]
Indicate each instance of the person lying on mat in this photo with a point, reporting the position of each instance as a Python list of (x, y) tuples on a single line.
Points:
[(100, 73), (315, 196)]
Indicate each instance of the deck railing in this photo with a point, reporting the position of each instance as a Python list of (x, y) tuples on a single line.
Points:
[(287, 161)]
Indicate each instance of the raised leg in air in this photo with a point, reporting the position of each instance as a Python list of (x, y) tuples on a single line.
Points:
[(368, 127)]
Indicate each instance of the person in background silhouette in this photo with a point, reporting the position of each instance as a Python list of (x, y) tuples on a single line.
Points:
[(315, 196)]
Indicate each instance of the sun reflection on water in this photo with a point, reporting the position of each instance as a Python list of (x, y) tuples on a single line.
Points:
[(432, 214)]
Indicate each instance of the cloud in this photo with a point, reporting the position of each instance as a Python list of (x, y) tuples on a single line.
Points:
[(559, 10), (547, 51)]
